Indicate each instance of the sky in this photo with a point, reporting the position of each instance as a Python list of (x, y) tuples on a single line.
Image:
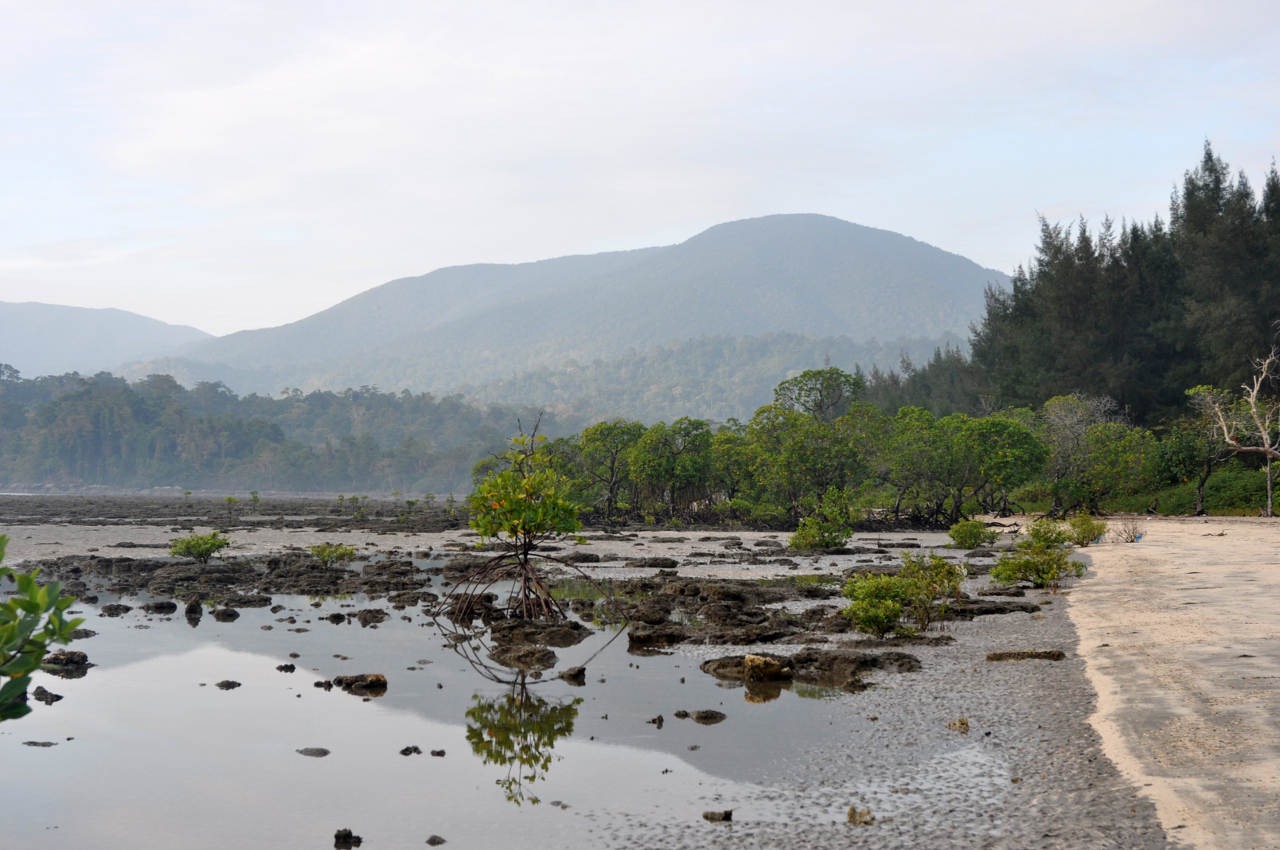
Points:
[(236, 165)]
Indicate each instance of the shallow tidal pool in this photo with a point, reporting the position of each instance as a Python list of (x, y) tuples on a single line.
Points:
[(149, 752)]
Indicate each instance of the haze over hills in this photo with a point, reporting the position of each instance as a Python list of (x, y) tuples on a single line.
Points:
[(49, 339), (475, 325)]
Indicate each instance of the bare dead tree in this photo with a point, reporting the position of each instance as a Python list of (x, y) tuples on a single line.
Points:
[(1254, 414)]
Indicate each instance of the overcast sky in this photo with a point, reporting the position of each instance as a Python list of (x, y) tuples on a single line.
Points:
[(243, 164)]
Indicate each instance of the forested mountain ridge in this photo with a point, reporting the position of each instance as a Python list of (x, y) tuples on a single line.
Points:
[(50, 339), (471, 325), (716, 378)]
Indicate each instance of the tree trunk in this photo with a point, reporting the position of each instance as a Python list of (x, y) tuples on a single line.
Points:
[(1270, 487)]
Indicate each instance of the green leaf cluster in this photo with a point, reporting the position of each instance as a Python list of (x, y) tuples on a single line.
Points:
[(524, 501), (970, 534), (830, 525), (1037, 564), (201, 547), (30, 620), (1084, 529), (920, 590), (329, 554)]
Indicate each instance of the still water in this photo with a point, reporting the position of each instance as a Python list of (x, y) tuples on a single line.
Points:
[(150, 753)]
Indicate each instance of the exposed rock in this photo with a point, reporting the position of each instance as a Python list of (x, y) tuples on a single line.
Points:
[(560, 633), (435, 841), (45, 696), (725, 816), (642, 636), (1027, 655), (370, 616), (227, 685), (226, 615), (708, 717), (524, 657), (286, 668), (363, 684), (575, 676), (115, 609), (313, 752), (653, 563), (412, 750), (344, 839), (861, 817), (67, 664), (39, 743), (165, 606), (827, 667), (83, 634)]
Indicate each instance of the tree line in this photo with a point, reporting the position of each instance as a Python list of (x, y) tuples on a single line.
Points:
[(71, 431), (1136, 312), (822, 447)]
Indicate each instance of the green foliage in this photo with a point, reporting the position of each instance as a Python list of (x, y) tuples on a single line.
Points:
[(329, 554), (970, 534), (825, 394), (1046, 533), (1036, 563), (201, 547), (876, 603), (921, 591), (830, 525), (30, 620), (518, 731), (524, 502), (930, 581), (1085, 529)]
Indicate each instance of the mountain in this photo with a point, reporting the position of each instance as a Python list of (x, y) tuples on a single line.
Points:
[(48, 339), (472, 325)]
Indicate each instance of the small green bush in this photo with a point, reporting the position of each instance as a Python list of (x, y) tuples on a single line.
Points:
[(1040, 565), (1047, 533), (876, 603), (201, 547), (830, 525), (970, 534), (931, 581), (329, 554), (1085, 529)]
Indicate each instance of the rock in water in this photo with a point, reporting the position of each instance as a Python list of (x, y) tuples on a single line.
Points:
[(344, 839)]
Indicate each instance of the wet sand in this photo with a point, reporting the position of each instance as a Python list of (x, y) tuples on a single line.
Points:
[(1181, 638)]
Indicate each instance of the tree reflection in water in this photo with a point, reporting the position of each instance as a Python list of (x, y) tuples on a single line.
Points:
[(519, 730)]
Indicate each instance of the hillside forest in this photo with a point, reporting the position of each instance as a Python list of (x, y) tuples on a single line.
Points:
[(1073, 397)]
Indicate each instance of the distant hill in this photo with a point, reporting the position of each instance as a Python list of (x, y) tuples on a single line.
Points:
[(48, 339), (710, 378), (475, 325)]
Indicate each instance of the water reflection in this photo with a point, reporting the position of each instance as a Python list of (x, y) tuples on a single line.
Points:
[(519, 730)]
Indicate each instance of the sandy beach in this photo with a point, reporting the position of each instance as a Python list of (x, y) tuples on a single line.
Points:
[(1180, 634)]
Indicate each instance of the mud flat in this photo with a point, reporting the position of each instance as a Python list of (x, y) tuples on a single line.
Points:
[(1181, 637), (951, 751)]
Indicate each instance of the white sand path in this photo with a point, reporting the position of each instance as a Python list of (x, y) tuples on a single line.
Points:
[(1181, 635)]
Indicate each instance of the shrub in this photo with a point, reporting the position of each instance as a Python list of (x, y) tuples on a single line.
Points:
[(1042, 566), (875, 603), (970, 534), (1085, 529), (830, 525), (30, 620), (1129, 531), (329, 554), (202, 547), (1047, 533), (930, 581)]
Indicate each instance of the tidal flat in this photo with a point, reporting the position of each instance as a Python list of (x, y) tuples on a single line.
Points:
[(147, 750)]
